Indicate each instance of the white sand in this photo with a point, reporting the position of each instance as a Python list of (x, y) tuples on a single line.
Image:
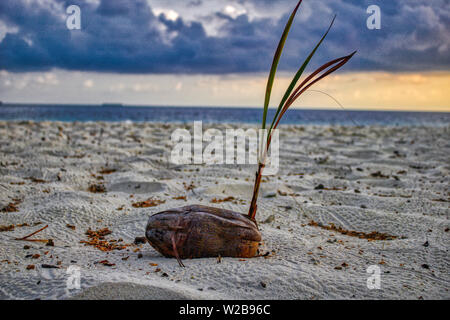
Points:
[(413, 205)]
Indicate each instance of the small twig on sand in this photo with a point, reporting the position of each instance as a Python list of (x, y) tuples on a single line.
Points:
[(32, 234)]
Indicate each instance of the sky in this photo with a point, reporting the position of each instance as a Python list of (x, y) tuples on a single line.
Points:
[(219, 52)]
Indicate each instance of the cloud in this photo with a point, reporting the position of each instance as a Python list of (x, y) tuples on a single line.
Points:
[(88, 83), (144, 37)]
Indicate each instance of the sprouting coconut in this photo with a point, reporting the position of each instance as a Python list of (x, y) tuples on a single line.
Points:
[(198, 231)]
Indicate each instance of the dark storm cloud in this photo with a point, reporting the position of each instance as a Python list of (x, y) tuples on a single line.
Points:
[(126, 37)]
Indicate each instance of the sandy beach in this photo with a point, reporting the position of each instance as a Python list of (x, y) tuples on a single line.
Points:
[(344, 199)]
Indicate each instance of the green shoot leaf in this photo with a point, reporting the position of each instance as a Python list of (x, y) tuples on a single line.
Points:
[(298, 75), (274, 67)]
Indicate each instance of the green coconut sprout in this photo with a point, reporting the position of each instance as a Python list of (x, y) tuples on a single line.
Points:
[(291, 95)]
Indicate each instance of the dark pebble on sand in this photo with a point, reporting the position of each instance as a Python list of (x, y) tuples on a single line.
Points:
[(139, 240), (319, 187)]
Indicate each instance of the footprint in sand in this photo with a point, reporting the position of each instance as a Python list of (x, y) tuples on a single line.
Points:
[(136, 187), (128, 291)]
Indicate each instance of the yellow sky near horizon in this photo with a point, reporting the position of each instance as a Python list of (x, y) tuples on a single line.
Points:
[(387, 91), (415, 91)]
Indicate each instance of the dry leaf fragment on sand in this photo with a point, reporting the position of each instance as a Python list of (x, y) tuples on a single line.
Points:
[(148, 203)]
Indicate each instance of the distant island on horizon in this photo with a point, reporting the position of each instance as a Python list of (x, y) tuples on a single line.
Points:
[(108, 104)]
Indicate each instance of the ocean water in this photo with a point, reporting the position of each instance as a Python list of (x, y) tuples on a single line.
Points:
[(40, 112)]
